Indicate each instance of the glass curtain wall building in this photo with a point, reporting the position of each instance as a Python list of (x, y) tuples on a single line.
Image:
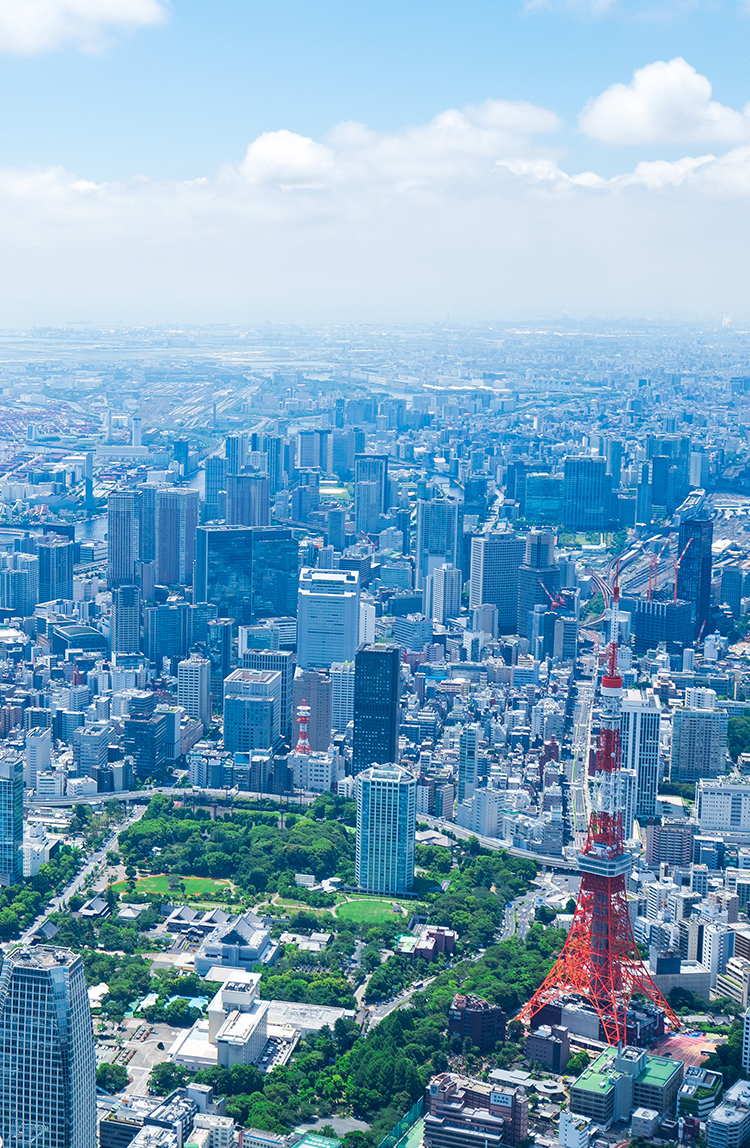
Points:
[(386, 824), (247, 572), (48, 1078)]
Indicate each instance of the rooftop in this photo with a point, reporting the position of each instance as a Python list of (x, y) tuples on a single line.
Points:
[(42, 957), (602, 1073)]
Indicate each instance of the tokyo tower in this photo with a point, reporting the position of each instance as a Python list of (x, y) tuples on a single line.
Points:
[(600, 962)]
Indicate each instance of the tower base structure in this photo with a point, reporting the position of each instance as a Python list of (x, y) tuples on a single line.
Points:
[(600, 962)]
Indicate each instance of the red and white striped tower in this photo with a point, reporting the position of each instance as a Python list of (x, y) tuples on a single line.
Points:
[(303, 718), (600, 961)]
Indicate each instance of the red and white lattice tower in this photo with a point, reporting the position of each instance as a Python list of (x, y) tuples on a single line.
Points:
[(303, 739), (600, 961)]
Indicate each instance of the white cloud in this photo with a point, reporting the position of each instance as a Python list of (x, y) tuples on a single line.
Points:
[(471, 213), (456, 145), (590, 8), (666, 102), (632, 11), (31, 26)]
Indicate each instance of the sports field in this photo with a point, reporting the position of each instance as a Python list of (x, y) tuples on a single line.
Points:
[(368, 909)]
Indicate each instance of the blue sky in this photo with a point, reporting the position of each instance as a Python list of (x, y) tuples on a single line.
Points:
[(528, 198), (176, 100)]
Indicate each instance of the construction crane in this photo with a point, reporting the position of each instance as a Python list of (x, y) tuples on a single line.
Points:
[(677, 565), (555, 602), (653, 572)]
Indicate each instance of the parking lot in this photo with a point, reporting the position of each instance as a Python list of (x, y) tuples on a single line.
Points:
[(139, 1051)]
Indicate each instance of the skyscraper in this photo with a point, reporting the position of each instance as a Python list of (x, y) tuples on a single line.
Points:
[(55, 555), (275, 573), (122, 537), (327, 617), (538, 576), (216, 480), (614, 460), (337, 529), (732, 578), (38, 754), (147, 521), (252, 710), (11, 818), (386, 825), (235, 446), (19, 584), (314, 689), (194, 688), (176, 523), (370, 490), (48, 1082), (699, 743), (694, 574), (495, 562), (467, 761), (640, 734), (282, 662), (224, 570), (446, 593), (643, 496), (218, 650), (439, 535), (587, 490), (248, 500), (126, 620), (248, 572), (376, 696), (342, 695)]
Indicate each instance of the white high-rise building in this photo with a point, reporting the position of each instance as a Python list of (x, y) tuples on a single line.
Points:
[(194, 688), (48, 1082), (483, 812), (342, 703), (700, 698), (639, 739), (446, 593), (718, 947), (386, 827), (328, 617), (495, 562), (746, 1042), (38, 755), (629, 780), (467, 761), (722, 806), (367, 616)]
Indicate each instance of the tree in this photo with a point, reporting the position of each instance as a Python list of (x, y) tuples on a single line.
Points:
[(165, 1077), (111, 1077), (738, 736), (577, 1063)]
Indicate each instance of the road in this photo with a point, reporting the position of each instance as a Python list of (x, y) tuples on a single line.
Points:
[(519, 915), (494, 843), (143, 796), (79, 881), (381, 1011)]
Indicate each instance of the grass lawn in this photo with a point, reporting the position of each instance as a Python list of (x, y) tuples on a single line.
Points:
[(201, 886), (369, 910)]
